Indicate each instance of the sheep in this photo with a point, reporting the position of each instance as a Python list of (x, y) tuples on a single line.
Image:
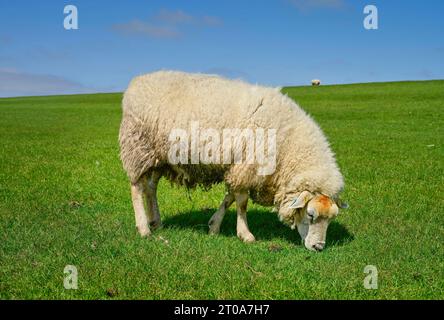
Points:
[(315, 82), (303, 186)]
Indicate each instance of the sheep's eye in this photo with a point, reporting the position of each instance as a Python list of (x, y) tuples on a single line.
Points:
[(311, 215)]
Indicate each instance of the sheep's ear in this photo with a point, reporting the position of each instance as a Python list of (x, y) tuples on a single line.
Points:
[(301, 201), (342, 204)]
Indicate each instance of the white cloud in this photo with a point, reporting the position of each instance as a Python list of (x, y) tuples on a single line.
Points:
[(174, 17), (212, 21), (14, 83), (137, 27), (166, 24)]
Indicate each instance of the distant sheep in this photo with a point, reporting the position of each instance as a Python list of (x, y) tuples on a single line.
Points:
[(304, 186), (315, 82)]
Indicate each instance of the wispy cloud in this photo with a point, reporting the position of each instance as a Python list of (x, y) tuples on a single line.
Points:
[(211, 21), (309, 5), (174, 17), (166, 24), (137, 27), (14, 83)]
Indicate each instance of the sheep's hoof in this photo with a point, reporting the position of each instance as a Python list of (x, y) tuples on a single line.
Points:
[(155, 225), (144, 231), (214, 228), (213, 231), (247, 237)]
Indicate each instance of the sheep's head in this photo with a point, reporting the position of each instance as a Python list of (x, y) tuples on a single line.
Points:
[(311, 214)]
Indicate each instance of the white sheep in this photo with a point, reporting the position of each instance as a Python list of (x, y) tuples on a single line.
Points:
[(315, 82), (303, 186)]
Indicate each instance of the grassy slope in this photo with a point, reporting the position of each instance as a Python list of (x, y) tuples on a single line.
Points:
[(64, 199)]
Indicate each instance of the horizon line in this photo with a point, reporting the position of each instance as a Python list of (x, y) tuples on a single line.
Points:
[(282, 87)]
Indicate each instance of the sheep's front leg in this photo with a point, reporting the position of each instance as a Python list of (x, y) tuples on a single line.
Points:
[(218, 216), (137, 190), (242, 227), (151, 200)]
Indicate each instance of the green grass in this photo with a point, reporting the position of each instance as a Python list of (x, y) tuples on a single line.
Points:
[(64, 199)]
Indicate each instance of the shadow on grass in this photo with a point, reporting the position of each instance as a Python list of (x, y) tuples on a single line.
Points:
[(263, 224)]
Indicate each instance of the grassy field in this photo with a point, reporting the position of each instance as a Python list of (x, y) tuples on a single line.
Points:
[(64, 199)]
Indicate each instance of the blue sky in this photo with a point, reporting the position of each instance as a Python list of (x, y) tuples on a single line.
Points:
[(280, 42)]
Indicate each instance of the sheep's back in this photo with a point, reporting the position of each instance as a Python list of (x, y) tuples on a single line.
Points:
[(156, 103)]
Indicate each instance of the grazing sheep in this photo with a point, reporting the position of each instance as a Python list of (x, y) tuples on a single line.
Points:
[(303, 186), (315, 82)]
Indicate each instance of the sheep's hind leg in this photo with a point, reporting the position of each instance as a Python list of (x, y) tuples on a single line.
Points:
[(151, 200), (242, 227), (218, 216), (137, 190)]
